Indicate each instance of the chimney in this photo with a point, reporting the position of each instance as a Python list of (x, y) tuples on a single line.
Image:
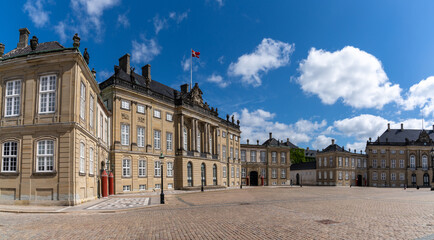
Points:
[(257, 142), (24, 38), (307, 149), (402, 126), (146, 71), (388, 126), (124, 63), (247, 141), (2, 51), (370, 139), (333, 142), (271, 135), (360, 151), (287, 140), (355, 151), (349, 149), (184, 88)]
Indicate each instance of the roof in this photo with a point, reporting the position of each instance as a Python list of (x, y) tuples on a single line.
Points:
[(274, 142), (398, 135), (310, 153), (303, 166), (42, 47), (333, 148)]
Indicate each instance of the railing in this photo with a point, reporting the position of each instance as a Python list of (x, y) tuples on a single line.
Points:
[(215, 156), (190, 153), (203, 155)]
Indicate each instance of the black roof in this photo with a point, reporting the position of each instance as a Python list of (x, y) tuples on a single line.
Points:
[(398, 135), (334, 148), (310, 153), (42, 47), (274, 142), (303, 166)]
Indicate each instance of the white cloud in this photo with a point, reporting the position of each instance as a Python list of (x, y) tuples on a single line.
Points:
[(94, 7), (420, 95), (351, 74), (104, 75), (256, 125), (159, 23), (221, 59), (220, 3), (178, 17), (321, 142), (60, 29), (163, 22), (145, 50), (356, 146), (36, 12), (269, 54), (217, 79), (123, 20)]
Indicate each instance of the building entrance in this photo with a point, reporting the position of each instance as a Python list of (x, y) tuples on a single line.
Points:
[(359, 180), (253, 178)]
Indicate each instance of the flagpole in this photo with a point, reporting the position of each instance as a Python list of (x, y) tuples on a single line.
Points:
[(191, 68)]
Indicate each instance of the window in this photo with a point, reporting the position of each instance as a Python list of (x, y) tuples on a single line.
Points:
[(340, 175), (273, 173), (140, 108), (325, 175), (319, 175), (413, 179), (331, 174), (47, 94), (353, 175), (223, 134), (232, 172), (170, 169), (383, 163), (125, 104), (91, 117), (214, 174), (374, 163), (169, 117), (346, 175), (142, 187), (243, 172), (101, 126), (91, 162), (319, 162), (359, 164), (126, 188), (401, 151), (141, 137), (238, 172), (393, 151), (82, 100), (401, 163), (346, 162), (243, 155), (157, 139), (273, 157), (232, 153), (393, 163), (45, 156), (331, 161), (12, 98), (9, 158), (231, 136), (224, 171), (383, 151), (352, 162), (126, 167), (82, 157), (424, 162), (340, 161), (393, 176), (169, 137), (283, 173), (157, 169), (142, 168), (125, 134), (210, 145), (252, 156), (106, 132), (189, 174), (412, 161), (170, 185), (401, 176), (218, 150), (157, 186), (218, 132), (224, 152), (157, 113), (263, 172), (236, 153), (383, 176), (374, 176), (198, 140), (184, 140), (374, 150), (325, 162), (236, 138), (262, 156), (364, 163)]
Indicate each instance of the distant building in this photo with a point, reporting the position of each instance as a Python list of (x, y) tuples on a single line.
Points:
[(303, 173)]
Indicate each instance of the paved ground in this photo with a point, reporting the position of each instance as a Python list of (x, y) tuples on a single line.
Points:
[(254, 213)]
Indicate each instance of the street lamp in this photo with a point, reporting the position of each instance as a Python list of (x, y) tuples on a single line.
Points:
[(162, 172), (432, 168), (202, 175)]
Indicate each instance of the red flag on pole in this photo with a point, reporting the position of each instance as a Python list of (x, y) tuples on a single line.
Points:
[(195, 54)]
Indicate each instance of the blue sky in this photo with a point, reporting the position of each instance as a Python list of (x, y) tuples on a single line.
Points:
[(309, 71)]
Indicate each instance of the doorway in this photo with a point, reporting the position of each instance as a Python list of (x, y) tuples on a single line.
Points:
[(253, 178), (359, 180), (297, 179)]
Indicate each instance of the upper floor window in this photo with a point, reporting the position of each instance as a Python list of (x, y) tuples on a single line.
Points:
[(169, 117), (262, 156), (9, 158), (412, 161), (169, 137), (319, 162), (125, 134), (82, 157), (223, 134), (424, 162), (340, 161), (401, 151), (282, 158), (142, 168), (243, 155), (232, 153), (273, 157), (401, 163), (157, 113), (231, 136), (170, 169), (374, 150), (125, 104), (383, 151), (141, 137), (236, 138), (346, 162), (12, 98), (82, 100), (140, 108), (91, 102), (325, 162), (374, 163), (47, 94), (393, 151), (383, 163), (252, 156), (45, 156), (157, 139), (184, 139)]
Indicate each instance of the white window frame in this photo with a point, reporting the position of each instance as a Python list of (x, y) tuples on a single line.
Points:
[(141, 108), (393, 176), (252, 156), (331, 174), (243, 172), (401, 176), (140, 136), (125, 104), (283, 173), (126, 188), (325, 175), (49, 94), (424, 162), (169, 117), (263, 172), (44, 156), (157, 139), (412, 161), (185, 138), (319, 162), (142, 168), (169, 169), (126, 167), (13, 96), (374, 176), (383, 163), (383, 176), (82, 157), (273, 173), (340, 175), (393, 163), (238, 172), (232, 172), (282, 158), (91, 110), (274, 157), (224, 171), (7, 166), (82, 100), (157, 169), (262, 156), (157, 113), (91, 161), (169, 141), (198, 140), (125, 134), (401, 163), (142, 187), (243, 155)]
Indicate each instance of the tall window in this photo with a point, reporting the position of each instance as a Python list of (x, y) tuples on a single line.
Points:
[(141, 137), (232, 153), (82, 157), (261, 155), (243, 172), (340, 175), (157, 139), (184, 140), (198, 140), (12, 98), (169, 138), (325, 162), (45, 156), (252, 156), (319, 175), (263, 172), (273, 173), (352, 162), (190, 174), (224, 171), (238, 172), (170, 169), (346, 175), (319, 162), (82, 100), (91, 118), (413, 179), (424, 162), (9, 158), (401, 163), (214, 174), (273, 157), (359, 164), (393, 163), (236, 153), (331, 174), (210, 145), (374, 163), (383, 163), (203, 173), (157, 169), (224, 152), (282, 158), (106, 132), (412, 161), (243, 155), (374, 176), (126, 167), (47, 94), (142, 168), (393, 176), (383, 176), (101, 126), (346, 162), (283, 173), (232, 172), (125, 134), (325, 175), (331, 161), (340, 161), (91, 162)]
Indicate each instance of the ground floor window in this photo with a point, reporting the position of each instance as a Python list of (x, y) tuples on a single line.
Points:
[(157, 186), (170, 185), (127, 188), (142, 187), (426, 179)]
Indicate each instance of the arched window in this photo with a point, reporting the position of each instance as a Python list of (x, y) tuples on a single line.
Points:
[(413, 179), (214, 174), (424, 162), (190, 174), (412, 161), (203, 173), (9, 157), (426, 179)]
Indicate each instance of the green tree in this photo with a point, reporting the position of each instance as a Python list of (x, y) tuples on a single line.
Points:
[(297, 155)]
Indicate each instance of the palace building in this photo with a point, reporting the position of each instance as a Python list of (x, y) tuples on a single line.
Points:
[(266, 164)]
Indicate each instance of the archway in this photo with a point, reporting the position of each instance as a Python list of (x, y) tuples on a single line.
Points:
[(297, 179), (253, 178)]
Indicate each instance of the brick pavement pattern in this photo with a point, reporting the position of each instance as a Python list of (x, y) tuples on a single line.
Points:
[(121, 203), (254, 213)]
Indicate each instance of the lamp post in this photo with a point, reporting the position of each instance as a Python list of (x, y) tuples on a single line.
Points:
[(162, 172), (202, 174), (432, 168)]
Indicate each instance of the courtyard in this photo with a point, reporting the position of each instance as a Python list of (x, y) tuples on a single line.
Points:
[(249, 213)]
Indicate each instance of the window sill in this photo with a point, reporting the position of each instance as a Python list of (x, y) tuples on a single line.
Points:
[(44, 174), (142, 176), (91, 175), (9, 174), (82, 174), (126, 177)]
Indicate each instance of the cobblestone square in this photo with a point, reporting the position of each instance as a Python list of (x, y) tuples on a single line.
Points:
[(253, 213)]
